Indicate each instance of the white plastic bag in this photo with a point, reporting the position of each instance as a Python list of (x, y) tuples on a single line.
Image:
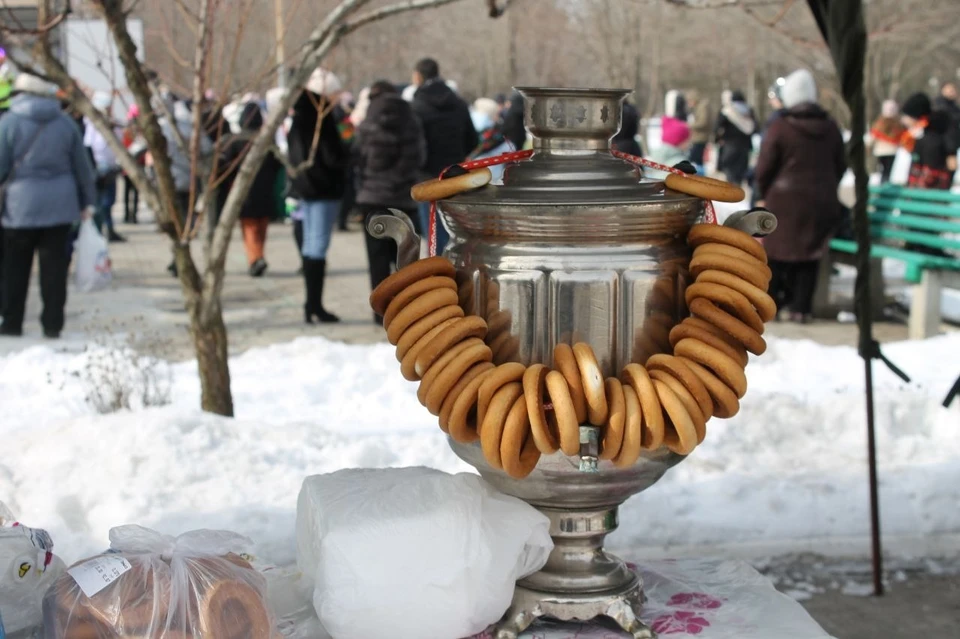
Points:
[(413, 553), (94, 271), (27, 568), (154, 586), (900, 171)]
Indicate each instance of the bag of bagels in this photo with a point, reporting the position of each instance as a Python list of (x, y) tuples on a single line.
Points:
[(153, 586)]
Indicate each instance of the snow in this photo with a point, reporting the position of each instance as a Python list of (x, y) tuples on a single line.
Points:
[(788, 472)]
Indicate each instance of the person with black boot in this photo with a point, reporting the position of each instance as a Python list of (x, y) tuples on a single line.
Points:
[(388, 151), (321, 186), (48, 182)]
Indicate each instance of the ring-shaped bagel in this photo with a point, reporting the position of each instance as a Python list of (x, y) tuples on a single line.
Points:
[(500, 376), (636, 377), (705, 187), (729, 300), (463, 328), (420, 328), (518, 451), (707, 310), (725, 402), (495, 419), (687, 329), (447, 407), (443, 384), (722, 365), (679, 370), (414, 291), (441, 189), (418, 309), (719, 262), (633, 431), (543, 431), (737, 254), (566, 362), (612, 439), (403, 278), (718, 234), (682, 437), (564, 412), (689, 403), (593, 385), (408, 365), (462, 423), (761, 300)]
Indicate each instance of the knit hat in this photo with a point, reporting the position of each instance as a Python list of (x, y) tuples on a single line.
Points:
[(917, 106), (799, 88), (323, 82), (890, 109), (674, 132), (26, 83)]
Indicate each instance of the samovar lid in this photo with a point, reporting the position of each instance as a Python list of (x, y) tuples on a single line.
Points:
[(572, 163)]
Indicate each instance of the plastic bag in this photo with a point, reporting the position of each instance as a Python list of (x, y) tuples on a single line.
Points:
[(94, 271), (27, 568), (413, 552), (153, 586), (900, 171)]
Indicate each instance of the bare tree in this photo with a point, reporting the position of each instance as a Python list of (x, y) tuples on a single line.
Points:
[(201, 284)]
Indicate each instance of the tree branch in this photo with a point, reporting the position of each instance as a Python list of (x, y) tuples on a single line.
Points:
[(201, 58)]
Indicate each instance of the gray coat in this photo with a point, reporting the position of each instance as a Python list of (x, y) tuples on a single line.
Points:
[(53, 181), (180, 165)]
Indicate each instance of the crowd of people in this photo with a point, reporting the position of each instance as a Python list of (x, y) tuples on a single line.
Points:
[(337, 156)]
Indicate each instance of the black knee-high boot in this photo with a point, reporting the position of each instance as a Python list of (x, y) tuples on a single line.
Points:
[(314, 274)]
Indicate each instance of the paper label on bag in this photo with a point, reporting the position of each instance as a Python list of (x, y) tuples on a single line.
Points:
[(98, 573)]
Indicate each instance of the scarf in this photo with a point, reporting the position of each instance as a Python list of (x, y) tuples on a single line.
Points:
[(489, 140)]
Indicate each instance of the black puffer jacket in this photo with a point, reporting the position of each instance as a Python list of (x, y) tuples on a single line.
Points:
[(388, 152), (261, 201), (325, 179), (447, 126)]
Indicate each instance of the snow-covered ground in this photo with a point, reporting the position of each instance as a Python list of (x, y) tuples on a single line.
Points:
[(788, 473)]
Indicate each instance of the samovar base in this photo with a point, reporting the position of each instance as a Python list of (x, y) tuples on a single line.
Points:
[(622, 607), (580, 580)]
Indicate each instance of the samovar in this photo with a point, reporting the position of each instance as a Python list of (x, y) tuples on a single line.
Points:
[(573, 246)]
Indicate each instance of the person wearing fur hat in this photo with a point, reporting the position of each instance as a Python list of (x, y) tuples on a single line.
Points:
[(50, 185), (320, 187), (931, 141), (674, 146), (885, 136), (799, 169), (736, 125)]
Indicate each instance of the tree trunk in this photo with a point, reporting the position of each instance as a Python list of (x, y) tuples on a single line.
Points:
[(209, 335)]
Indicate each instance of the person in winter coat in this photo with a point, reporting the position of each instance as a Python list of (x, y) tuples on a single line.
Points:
[(321, 186), (131, 196), (493, 141), (947, 102), (388, 151), (107, 168), (675, 142), (932, 141), (799, 169), (675, 105), (736, 125), (260, 206), (775, 101), (625, 140), (50, 184), (447, 128), (885, 135), (699, 128), (513, 126)]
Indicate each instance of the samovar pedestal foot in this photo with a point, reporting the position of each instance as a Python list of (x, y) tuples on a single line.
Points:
[(623, 608), (580, 580)]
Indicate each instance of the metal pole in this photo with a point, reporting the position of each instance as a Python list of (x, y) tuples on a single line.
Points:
[(281, 58), (876, 552)]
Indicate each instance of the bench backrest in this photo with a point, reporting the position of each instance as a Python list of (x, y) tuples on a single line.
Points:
[(923, 217)]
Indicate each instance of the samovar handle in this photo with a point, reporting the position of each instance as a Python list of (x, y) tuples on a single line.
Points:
[(758, 222), (398, 227)]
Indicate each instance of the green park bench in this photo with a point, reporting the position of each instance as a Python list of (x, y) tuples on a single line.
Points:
[(902, 219)]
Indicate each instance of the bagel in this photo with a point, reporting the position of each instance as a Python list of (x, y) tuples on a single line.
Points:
[(460, 330), (593, 385), (566, 362), (682, 437), (719, 262), (544, 432), (723, 366), (518, 450), (636, 377), (760, 299), (687, 329), (500, 376), (633, 432), (716, 234), (495, 419), (408, 365), (418, 309), (729, 324), (737, 254), (447, 407), (725, 402), (689, 403), (414, 291), (421, 327), (729, 300), (564, 412), (408, 275), (705, 188), (437, 386), (443, 188), (612, 439), (680, 371), (462, 423)]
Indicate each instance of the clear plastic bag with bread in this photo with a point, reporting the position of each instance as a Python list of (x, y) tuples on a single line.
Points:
[(154, 586)]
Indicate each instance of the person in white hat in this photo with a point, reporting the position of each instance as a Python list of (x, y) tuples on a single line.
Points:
[(48, 184), (321, 185)]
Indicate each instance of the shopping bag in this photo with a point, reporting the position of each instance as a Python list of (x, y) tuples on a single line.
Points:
[(94, 271), (900, 172)]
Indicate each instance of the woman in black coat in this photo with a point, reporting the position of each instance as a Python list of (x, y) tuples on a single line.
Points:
[(388, 151), (736, 125), (260, 205)]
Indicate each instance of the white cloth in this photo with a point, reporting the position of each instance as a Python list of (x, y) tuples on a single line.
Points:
[(799, 88), (103, 157)]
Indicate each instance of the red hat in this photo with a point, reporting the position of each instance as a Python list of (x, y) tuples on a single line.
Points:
[(674, 132)]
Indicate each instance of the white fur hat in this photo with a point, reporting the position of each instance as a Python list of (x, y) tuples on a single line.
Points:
[(26, 83), (799, 88), (101, 100), (323, 82)]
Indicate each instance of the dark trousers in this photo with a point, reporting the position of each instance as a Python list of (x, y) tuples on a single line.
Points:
[(793, 285), (131, 200), (19, 245), (381, 253), (697, 150), (106, 197), (886, 166)]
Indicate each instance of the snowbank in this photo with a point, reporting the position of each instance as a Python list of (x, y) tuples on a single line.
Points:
[(789, 471)]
